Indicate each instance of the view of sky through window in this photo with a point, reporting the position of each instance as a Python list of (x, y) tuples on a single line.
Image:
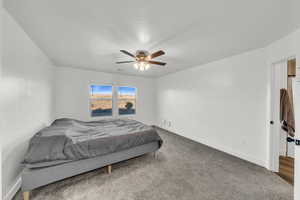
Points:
[(101, 102)]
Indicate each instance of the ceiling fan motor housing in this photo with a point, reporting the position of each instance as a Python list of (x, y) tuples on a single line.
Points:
[(142, 54)]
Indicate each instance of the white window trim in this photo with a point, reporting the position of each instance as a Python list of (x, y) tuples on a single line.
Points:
[(89, 101), (117, 99), (115, 109)]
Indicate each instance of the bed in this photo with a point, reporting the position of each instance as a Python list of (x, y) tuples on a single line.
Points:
[(70, 147)]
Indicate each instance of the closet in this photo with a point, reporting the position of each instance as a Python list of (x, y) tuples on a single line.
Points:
[(286, 158)]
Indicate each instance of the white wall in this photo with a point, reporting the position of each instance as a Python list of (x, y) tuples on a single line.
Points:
[(1, 13), (72, 93), (221, 104), (26, 98), (226, 103)]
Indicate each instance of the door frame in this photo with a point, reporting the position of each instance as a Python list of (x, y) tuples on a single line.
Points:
[(278, 80), (297, 132)]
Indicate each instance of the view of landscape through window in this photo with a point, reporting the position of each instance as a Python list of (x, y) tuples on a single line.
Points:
[(126, 100), (101, 100)]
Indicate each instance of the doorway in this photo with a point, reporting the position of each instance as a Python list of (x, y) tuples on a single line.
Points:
[(282, 119)]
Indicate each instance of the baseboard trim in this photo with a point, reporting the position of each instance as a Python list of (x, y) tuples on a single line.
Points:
[(223, 149), (14, 189)]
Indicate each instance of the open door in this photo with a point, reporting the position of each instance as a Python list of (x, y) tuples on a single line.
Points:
[(285, 156), (277, 138), (296, 85), (287, 145)]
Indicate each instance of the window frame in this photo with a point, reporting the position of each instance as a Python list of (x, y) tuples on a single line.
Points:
[(117, 101), (115, 109), (90, 102)]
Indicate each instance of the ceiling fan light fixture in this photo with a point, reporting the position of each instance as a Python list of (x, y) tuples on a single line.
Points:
[(147, 66), (136, 65), (142, 66)]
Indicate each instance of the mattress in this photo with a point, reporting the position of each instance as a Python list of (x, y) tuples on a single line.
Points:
[(69, 140)]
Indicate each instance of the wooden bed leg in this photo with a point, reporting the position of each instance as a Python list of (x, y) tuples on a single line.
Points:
[(109, 169), (26, 195)]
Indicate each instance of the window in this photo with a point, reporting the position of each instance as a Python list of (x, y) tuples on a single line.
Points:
[(106, 99), (126, 100), (101, 100)]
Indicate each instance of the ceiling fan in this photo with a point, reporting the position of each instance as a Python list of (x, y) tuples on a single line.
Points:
[(143, 59)]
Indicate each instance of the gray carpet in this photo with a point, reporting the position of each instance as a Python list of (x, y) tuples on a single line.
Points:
[(183, 170)]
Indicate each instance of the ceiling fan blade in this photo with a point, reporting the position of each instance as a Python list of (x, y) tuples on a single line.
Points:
[(124, 62), (157, 62), (127, 53), (156, 54)]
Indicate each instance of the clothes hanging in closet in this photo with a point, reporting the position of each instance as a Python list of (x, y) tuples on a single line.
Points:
[(287, 113)]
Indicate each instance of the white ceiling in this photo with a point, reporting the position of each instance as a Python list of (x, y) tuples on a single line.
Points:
[(89, 33)]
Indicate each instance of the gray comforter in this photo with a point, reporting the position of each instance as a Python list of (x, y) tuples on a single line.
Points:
[(69, 140)]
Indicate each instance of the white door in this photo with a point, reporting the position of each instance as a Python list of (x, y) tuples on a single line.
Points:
[(296, 90), (277, 137)]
